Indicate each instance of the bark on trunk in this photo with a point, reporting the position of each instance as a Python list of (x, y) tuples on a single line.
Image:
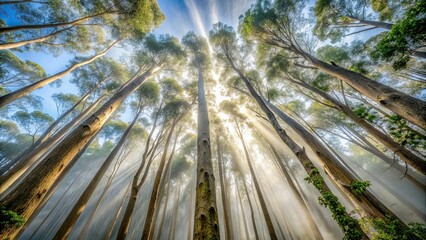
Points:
[(148, 229), (418, 54), (12, 96), (246, 231), (135, 184), (206, 221), (262, 202), (5, 46), (31, 157), (81, 203), (226, 209), (328, 165), (24, 198), (406, 155), (408, 107), (384, 25)]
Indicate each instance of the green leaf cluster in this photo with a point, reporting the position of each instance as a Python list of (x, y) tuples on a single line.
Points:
[(359, 187)]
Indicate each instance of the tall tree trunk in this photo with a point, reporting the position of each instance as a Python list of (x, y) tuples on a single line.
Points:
[(53, 189), (408, 107), (7, 179), (246, 231), (165, 180), (51, 25), (265, 211), (135, 184), (117, 214), (406, 155), (329, 166), (148, 229), (24, 198), (5, 46), (206, 221), (368, 204), (311, 222), (253, 219), (81, 203), (226, 208), (47, 133), (12, 96), (175, 215), (384, 25)]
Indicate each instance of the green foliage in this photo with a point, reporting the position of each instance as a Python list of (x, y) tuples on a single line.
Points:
[(403, 133), (198, 48), (334, 54), (362, 111), (10, 218), (148, 92), (406, 35), (321, 82), (359, 187), (347, 223), (392, 229)]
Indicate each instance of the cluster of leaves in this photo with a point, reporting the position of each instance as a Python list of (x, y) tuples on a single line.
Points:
[(403, 134), (10, 218), (359, 187), (362, 111), (393, 229), (406, 35), (347, 223)]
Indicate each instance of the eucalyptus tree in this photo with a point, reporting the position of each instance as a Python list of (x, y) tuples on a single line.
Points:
[(170, 90), (276, 25), (12, 96), (147, 94), (15, 72), (239, 119), (206, 220), (54, 133), (173, 112), (279, 68), (405, 39), (157, 53), (334, 18), (224, 39)]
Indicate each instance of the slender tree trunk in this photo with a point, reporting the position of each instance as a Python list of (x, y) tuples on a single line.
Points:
[(206, 221), (265, 211), (51, 25), (174, 216), (253, 219), (148, 231), (408, 107), (5, 46), (406, 155), (24, 198), (311, 222), (165, 180), (226, 209), (117, 214), (384, 25), (418, 54), (135, 185), (166, 203), (7, 179), (246, 231), (329, 166), (12, 96), (81, 203), (47, 133)]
